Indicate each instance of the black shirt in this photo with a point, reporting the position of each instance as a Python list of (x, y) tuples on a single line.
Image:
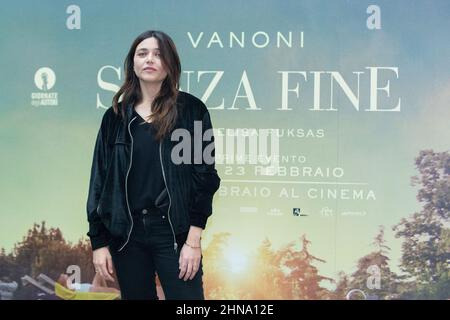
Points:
[(145, 180)]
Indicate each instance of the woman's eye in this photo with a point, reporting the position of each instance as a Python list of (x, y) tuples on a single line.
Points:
[(141, 54)]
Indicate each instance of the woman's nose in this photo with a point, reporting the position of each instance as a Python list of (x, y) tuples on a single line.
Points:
[(150, 57)]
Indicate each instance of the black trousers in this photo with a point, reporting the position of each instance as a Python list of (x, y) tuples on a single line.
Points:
[(150, 250)]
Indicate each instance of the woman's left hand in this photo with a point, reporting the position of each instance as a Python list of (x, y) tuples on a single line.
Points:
[(190, 259)]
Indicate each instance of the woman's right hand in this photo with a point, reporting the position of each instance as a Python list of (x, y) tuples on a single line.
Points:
[(103, 263)]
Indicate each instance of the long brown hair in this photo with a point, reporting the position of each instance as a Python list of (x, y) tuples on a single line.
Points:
[(164, 111)]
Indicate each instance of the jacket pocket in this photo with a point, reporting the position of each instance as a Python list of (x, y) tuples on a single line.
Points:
[(162, 200)]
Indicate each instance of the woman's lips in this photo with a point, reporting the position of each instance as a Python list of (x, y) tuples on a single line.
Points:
[(149, 69)]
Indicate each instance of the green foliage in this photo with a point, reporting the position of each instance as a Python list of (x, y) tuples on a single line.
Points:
[(373, 274), (426, 245)]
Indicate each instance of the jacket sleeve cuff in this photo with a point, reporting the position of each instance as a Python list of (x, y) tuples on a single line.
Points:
[(197, 219), (99, 236), (99, 242)]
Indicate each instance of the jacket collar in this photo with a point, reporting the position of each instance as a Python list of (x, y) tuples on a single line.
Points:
[(123, 135), (129, 113)]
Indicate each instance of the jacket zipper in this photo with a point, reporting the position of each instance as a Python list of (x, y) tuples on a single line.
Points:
[(126, 185), (175, 245)]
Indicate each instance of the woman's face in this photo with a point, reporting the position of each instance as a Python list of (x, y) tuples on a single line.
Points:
[(147, 61)]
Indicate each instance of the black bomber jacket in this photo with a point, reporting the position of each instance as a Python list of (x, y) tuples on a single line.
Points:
[(189, 190)]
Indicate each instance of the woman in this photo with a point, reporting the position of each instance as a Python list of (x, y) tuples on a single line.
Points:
[(98, 284), (153, 178)]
